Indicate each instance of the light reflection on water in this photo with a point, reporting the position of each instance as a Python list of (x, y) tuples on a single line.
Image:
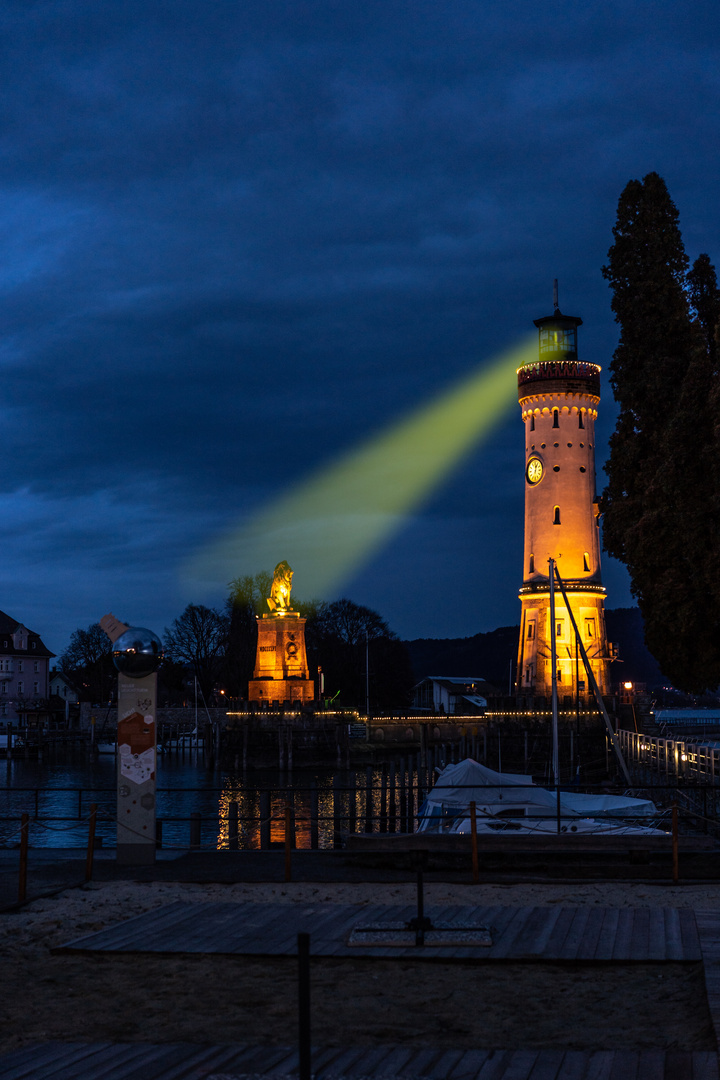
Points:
[(57, 795)]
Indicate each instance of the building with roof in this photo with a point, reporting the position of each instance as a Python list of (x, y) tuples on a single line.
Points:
[(452, 695), (24, 670), (62, 687)]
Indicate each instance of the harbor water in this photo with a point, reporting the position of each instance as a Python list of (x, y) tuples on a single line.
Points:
[(58, 791)]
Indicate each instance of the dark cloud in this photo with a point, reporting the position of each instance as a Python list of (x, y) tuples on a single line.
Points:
[(236, 239)]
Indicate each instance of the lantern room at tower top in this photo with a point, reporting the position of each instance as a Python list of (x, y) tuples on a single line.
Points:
[(559, 397)]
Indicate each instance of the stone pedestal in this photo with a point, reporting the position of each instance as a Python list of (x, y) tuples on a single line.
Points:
[(281, 669)]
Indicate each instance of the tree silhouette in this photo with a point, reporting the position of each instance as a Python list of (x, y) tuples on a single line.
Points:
[(662, 501)]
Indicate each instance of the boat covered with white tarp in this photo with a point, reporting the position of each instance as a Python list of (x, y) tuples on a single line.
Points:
[(512, 802)]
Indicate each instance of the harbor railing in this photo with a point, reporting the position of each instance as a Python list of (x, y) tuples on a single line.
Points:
[(242, 817)]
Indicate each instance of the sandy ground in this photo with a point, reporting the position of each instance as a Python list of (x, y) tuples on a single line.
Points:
[(354, 1002)]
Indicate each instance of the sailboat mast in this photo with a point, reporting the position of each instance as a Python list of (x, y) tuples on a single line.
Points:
[(553, 661)]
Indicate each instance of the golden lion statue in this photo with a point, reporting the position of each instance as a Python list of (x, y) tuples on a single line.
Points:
[(279, 599)]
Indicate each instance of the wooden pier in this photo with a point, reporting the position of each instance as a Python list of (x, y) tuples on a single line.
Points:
[(542, 934), (184, 1061), (558, 935)]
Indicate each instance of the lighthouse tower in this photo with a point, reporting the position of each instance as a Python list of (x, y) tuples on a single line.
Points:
[(559, 397)]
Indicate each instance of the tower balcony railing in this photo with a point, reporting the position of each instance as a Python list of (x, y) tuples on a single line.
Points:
[(558, 369)]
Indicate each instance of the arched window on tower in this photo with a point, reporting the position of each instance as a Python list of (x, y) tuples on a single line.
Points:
[(581, 424), (532, 421), (556, 516), (556, 418), (532, 564), (586, 562)]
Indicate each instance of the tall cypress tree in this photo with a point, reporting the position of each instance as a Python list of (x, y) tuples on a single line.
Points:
[(661, 505), (705, 300)]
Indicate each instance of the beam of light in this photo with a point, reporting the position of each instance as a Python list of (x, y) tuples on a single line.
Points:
[(338, 518)]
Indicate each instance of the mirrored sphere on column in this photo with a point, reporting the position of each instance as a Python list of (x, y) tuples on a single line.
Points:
[(137, 652)]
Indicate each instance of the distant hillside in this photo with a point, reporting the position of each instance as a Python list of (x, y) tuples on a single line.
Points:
[(625, 628), (489, 655)]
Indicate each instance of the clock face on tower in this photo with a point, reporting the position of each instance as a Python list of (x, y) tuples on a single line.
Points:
[(534, 471)]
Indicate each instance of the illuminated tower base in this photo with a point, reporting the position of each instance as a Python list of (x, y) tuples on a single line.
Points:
[(281, 668), (559, 396), (534, 668)]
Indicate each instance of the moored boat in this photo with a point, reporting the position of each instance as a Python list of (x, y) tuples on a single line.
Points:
[(514, 804)]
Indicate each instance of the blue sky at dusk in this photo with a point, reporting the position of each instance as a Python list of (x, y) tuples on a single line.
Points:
[(240, 237)]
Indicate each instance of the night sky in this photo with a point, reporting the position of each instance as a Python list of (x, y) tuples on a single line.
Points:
[(242, 237)]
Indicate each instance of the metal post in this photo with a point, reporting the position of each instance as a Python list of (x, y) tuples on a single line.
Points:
[(553, 662), (420, 925), (403, 796), (288, 842), (233, 825), (473, 838), (383, 798), (22, 881), (572, 748), (392, 805), (91, 842), (304, 1018), (195, 825), (352, 807), (314, 814), (337, 812), (265, 822)]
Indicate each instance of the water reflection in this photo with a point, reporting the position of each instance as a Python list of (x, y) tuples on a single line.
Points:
[(57, 794)]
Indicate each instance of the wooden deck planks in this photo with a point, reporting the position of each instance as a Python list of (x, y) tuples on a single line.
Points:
[(574, 1065), (708, 929), (551, 918), (181, 1061), (673, 935), (656, 943), (521, 933), (520, 1065), (606, 937), (547, 1065), (513, 929), (625, 1069), (623, 934), (574, 936), (591, 936), (640, 934)]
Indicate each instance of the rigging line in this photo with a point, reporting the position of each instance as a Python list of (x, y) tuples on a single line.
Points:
[(593, 684)]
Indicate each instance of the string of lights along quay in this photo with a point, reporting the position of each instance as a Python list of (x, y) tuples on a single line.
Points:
[(559, 397)]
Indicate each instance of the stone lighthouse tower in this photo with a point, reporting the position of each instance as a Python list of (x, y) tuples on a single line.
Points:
[(559, 397)]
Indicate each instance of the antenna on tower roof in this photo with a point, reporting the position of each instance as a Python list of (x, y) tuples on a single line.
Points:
[(555, 295)]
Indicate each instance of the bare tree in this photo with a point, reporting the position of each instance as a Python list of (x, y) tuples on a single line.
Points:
[(198, 638), (87, 661)]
